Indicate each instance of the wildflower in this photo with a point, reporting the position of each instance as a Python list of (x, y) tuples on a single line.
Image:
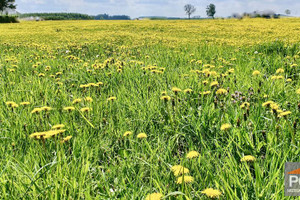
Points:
[(214, 83), (192, 154), (58, 126), (298, 91), (211, 193), (268, 103), (165, 98), (248, 158), (245, 105), (205, 82), (76, 101), (221, 91), (69, 109), (141, 135), (36, 110), (111, 98), (178, 170), (176, 90), (274, 106), (205, 92), (46, 108), (86, 109), (66, 139), (185, 179), (99, 83), (256, 73), (163, 93), (127, 133), (154, 196), (25, 103), (188, 91), (280, 70), (41, 74), (294, 65), (289, 80), (283, 114), (88, 99), (225, 127), (12, 104)]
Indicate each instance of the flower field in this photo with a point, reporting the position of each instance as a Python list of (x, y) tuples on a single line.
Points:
[(198, 109)]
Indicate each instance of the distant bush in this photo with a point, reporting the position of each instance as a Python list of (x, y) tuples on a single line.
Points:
[(58, 16), (8, 19)]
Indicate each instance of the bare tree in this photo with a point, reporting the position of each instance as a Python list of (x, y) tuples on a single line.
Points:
[(189, 9)]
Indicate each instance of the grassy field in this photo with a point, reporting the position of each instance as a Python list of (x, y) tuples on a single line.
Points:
[(148, 109)]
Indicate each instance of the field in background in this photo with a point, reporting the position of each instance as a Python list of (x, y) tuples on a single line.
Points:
[(123, 109)]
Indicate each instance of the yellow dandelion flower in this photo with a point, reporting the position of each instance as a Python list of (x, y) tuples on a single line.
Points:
[(289, 80), (256, 73), (225, 127), (185, 179), (76, 101), (165, 98), (214, 83), (274, 106), (188, 91), (280, 70), (141, 135), (204, 82), (179, 170), (283, 114), (86, 109), (69, 108), (248, 158), (41, 75), (25, 103), (88, 99), (176, 90), (212, 193), (66, 139), (298, 91), (58, 126), (268, 103), (245, 105), (163, 93), (36, 110), (127, 133), (46, 108), (192, 154), (154, 196), (111, 98), (221, 91)]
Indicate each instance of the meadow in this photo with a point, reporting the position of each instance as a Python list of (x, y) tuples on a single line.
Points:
[(151, 110)]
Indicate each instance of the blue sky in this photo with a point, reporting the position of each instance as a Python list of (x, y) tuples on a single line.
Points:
[(135, 8)]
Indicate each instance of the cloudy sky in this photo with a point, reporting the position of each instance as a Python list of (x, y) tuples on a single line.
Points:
[(171, 8)]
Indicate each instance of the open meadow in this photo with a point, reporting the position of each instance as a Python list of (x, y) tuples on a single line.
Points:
[(149, 110)]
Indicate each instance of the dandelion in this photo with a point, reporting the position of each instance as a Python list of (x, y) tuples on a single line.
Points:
[(248, 158), (214, 83), (46, 108), (36, 111), (88, 99), (163, 93), (245, 105), (256, 73), (289, 80), (204, 82), (192, 154), (185, 179), (188, 91), (176, 90), (298, 91), (41, 75), (165, 98), (66, 139), (280, 70), (154, 196), (76, 101), (283, 114), (268, 103), (127, 133), (25, 103), (179, 170), (221, 91), (225, 127), (69, 108), (111, 98), (86, 109), (141, 135), (11, 104), (58, 126), (212, 193)]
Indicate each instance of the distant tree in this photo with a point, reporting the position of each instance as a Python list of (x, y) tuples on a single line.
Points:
[(189, 9), (211, 10), (287, 11), (4, 4)]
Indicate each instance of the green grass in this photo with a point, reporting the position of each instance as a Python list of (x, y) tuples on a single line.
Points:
[(99, 163)]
